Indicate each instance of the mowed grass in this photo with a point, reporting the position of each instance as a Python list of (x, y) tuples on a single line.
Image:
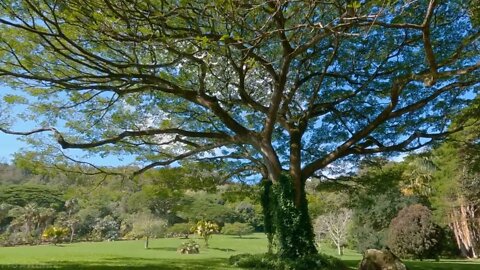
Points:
[(163, 255)]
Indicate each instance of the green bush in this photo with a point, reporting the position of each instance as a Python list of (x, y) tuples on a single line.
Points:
[(237, 228), (179, 230), (55, 234), (272, 261)]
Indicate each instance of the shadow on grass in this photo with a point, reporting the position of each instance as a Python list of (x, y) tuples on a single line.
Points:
[(223, 249), (246, 237), (128, 263), (163, 248), (351, 264), (429, 265)]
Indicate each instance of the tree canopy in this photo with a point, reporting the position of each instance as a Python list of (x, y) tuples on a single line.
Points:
[(168, 80), (275, 86)]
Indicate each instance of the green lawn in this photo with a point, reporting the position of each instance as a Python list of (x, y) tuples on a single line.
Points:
[(163, 255)]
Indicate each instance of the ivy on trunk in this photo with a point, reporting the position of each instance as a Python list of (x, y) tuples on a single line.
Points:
[(289, 222)]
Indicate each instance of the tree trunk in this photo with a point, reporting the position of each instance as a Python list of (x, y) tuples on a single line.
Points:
[(72, 233), (465, 230), (267, 208), (456, 232), (340, 249), (146, 243), (292, 222)]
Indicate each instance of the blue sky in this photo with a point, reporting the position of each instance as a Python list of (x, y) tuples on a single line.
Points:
[(11, 144)]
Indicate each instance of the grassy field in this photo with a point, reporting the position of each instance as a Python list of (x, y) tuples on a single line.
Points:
[(163, 255)]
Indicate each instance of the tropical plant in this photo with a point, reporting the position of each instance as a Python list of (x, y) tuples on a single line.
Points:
[(189, 247), (206, 229)]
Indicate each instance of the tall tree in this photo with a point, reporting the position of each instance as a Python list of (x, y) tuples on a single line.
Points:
[(286, 88), (457, 188)]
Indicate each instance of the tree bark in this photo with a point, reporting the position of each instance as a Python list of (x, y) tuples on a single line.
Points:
[(340, 249), (146, 243), (465, 229)]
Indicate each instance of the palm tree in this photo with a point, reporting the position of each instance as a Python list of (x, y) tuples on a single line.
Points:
[(24, 217), (419, 175)]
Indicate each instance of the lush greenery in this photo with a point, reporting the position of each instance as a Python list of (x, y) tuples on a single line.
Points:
[(94, 208), (358, 211), (280, 90), (163, 254)]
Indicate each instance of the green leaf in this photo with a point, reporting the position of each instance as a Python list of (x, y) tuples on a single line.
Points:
[(14, 99), (225, 36)]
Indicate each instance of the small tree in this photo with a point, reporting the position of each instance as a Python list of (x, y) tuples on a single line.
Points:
[(145, 225), (237, 228), (205, 229), (413, 234), (334, 225)]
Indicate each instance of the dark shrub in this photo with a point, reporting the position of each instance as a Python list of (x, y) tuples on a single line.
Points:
[(180, 230), (413, 234)]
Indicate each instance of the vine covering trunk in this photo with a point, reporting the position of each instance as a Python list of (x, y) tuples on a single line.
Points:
[(290, 222)]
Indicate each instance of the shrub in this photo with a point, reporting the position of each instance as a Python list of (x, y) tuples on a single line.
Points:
[(55, 234), (412, 234), (189, 247), (272, 261), (237, 228), (106, 228), (180, 230)]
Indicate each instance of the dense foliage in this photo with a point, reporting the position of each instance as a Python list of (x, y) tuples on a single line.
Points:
[(412, 233), (94, 208), (266, 87), (41, 195), (375, 203)]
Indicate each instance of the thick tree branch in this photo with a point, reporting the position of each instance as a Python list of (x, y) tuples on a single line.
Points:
[(126, 134)]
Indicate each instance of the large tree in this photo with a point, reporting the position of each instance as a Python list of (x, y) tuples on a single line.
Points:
[(286, 88)]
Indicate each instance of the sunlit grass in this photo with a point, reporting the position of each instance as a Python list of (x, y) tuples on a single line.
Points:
[(163, 255)]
